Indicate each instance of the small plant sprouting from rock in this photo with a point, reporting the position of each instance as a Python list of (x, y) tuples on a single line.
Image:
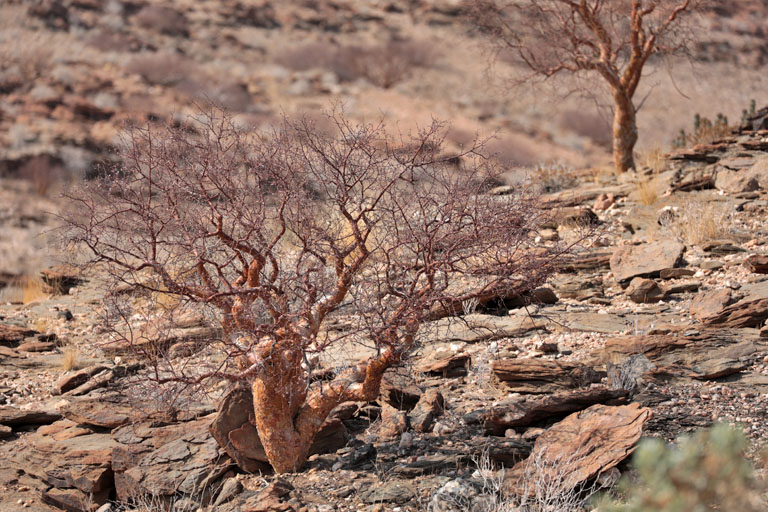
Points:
[(705, 471), (704, 131)]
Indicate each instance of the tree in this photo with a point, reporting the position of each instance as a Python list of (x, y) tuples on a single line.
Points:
[(613, 39), (299, 242)]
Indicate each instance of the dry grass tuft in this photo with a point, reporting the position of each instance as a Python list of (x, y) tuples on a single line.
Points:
[(654, 160), (70, 358), (648, 190), (33, 290), (698, 222)]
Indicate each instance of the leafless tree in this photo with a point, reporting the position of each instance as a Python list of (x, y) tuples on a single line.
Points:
[(613, 39), (287, 235)]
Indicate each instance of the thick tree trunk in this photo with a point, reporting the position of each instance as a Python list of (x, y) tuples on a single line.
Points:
[(624, 132), (286, 450), (288, 418)]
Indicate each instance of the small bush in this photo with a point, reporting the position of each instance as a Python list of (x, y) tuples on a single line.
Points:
[(586, 124), (648, 191), (70, 358), (42, 172), (705, 131), (706, 471), (512, 151), (161, 68), (164, 20), (697, 222), (383, 65), (552, 177)]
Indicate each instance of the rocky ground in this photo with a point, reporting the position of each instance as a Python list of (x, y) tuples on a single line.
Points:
[(653, 329)]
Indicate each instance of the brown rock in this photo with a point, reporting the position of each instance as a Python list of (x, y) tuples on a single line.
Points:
[(98, 413), (399, 389), (711, 303), (644, 291), (604, 201), (752, 313), (541, 376), (271, 499), (646, 260), (579, 448), (61, 278), (676, 273), (446, 364), (585, 261), (757, 263), (5, 432), (689, 287), (712, 353), (431, 406), (14, 334), (74, 500), (36, 346), (526, 411), (735, 182), (13, 417), (393, 422)]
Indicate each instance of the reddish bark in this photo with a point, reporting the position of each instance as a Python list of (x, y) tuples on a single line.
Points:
[(280, 234), (608, 38)]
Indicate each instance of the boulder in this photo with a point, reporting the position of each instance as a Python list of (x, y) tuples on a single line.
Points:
[(393, 422), (710, 354), (757, 263), (446, 364), (710, 303), (13, 417), (736, 182), (399, 389), (644, 291), (645, 260), (11, 334), (579, 448), (99, 413), (429, 407), (234, 432), (166, 459)]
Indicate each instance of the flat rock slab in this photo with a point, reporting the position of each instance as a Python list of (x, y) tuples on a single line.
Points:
[(477, 328), (526, 411), (709, 354), (645, 260), (99, 413), (710, 303), (165, 459), (13, 417), (539, 376), (579, 448), (757, 263), (10, 334), (746, 313), (394, 491)]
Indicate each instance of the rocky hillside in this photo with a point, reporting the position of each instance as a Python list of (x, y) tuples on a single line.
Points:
[(73, 72), (655, 329)]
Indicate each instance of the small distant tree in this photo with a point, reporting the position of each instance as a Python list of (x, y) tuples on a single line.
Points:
[(613, 39), (299, 242)]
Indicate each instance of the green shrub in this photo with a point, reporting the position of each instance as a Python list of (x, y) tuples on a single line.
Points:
[(703, 472)]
